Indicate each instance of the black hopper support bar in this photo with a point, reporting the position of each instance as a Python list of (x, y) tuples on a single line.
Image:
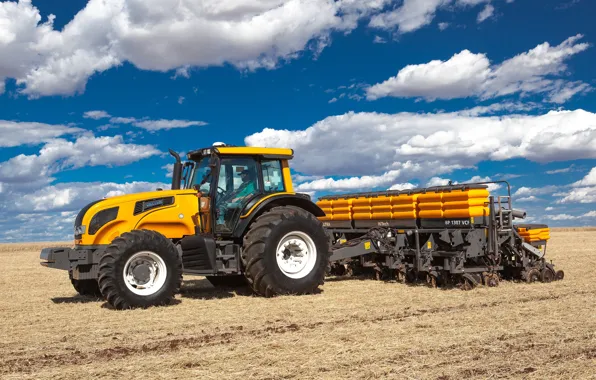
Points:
[(177, 171)]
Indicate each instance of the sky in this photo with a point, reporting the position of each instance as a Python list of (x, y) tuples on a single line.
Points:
[(370, 94)]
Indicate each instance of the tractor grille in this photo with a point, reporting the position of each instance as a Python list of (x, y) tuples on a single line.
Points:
[(150, 204)]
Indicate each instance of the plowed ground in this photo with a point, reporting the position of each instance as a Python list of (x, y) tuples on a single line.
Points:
[(353, 329)]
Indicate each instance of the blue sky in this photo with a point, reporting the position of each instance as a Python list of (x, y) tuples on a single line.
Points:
[(371, 94)]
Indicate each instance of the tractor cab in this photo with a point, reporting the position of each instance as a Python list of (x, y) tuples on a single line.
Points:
[(231, 181)]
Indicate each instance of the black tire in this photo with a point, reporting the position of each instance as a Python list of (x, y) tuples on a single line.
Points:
[(87, 288), (547, 275), (260, 245), (111, 266), (228, 281)]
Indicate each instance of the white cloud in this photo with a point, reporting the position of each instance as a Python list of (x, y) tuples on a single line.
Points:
[(156, 125), (402, 186), (437, 181), (380, 142), (400, 171), (443, 25), (48, 214), (59, 155), (13, 133), (561, 217), (486, 13), (468, 74), (579, 195), (583, 191), (181, 99), (559, 171), (333, 100), (588, 180), (530, 191), (96, 115), (73, 196), (549, 208), (169, 169), (591, 214), (379, 40), (509, 107), (531, 198), (164, 35), (414, 14)]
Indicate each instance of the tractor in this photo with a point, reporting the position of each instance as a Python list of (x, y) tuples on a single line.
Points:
[(231, 215)]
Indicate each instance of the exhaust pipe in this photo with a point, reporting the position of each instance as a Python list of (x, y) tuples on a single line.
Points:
[(177, 172)]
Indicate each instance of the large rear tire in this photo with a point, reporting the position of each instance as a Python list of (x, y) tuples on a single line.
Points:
[(286, 251), (140, 268)]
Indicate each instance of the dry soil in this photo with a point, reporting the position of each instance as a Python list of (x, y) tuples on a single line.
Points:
[(353, 329)]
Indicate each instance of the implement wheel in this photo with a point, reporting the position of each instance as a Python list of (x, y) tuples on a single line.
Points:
[(140, 268), (547, 275), (533, 275), (286, 251)]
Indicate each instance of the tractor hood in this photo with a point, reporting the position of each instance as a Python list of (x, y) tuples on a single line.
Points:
[(168, 212)]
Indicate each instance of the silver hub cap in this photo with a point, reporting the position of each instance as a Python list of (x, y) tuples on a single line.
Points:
[(145, 273), (296, 254)]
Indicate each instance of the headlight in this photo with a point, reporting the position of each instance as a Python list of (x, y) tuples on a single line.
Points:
[(101, 218), (80, 230)]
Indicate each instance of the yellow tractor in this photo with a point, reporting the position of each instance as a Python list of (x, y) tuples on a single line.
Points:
[(231, 215)]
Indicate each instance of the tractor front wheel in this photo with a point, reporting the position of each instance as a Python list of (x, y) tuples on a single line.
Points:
[(286, 251), (140, 268), (89, 288)]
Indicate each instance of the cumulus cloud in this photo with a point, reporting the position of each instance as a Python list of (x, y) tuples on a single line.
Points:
[(468, 74), (582, 191), (75, 195), (532, 191), (96, 115), (164, 35), (48, 214), (15, 133), (59, 155), (588, 180), (380, 142)]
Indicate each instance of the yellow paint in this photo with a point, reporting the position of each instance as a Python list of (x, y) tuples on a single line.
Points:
[(263, 200), (472, 220), (253, 150), (429, 245), (165, 220), (287, 176), (367, 245)]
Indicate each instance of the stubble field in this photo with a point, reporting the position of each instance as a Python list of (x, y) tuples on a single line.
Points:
[(352, 329)]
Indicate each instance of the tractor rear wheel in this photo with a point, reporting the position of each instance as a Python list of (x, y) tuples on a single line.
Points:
[(88, 288), (140, 268), (286, 251)]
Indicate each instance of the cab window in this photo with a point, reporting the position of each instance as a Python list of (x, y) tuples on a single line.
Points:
[(236, 185), (273, 181)]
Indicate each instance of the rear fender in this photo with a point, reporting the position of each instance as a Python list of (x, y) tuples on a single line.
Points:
[(259, 205)]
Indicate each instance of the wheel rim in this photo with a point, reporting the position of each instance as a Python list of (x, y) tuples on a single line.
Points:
[(296, 255), (145, 273)]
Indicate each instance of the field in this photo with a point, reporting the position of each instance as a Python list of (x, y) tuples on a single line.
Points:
[(353, 329)]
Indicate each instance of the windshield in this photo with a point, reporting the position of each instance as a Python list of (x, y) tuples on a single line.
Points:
[(202, 176)]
